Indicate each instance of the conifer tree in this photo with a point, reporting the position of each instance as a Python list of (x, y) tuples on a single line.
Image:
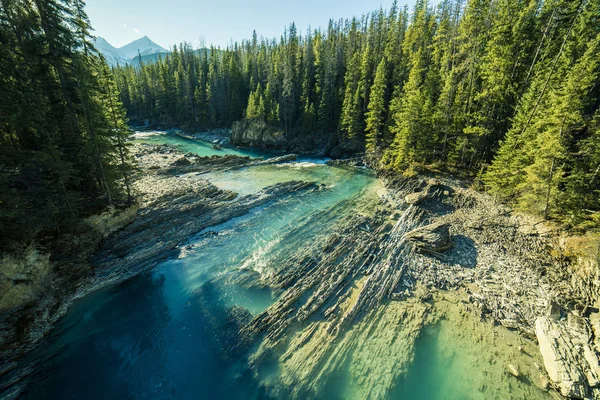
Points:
[(473, 85), (376, 114)]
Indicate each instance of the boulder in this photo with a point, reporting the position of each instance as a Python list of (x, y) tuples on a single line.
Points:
[(415, 198), (560, 358), (336, 152), (181, 162), (431, 238), (542, 382), (513, 370), (553, 310), (257, 133)]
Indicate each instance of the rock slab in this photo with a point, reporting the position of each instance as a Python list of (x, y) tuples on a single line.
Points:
[(560, 358), (431, 238), (257, 133)]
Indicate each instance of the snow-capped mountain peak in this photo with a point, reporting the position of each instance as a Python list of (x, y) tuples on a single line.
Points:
[(129, 53), (144, 46)]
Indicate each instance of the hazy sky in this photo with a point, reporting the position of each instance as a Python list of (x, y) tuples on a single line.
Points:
[(167, 22)]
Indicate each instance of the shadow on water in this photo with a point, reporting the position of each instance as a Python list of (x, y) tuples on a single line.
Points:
[(129, 343)]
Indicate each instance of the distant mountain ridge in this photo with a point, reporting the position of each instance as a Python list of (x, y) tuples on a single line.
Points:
[(130, 53)]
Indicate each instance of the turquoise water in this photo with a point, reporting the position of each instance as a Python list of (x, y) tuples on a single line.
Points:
[(170, 333), (165, 334), (199, 147)]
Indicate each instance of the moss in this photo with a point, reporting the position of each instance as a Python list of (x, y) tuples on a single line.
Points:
[(112, 220)]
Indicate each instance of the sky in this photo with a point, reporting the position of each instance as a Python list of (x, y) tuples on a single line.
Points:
[(217, 22)]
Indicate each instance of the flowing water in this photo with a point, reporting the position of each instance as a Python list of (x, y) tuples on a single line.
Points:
[(164, 334)]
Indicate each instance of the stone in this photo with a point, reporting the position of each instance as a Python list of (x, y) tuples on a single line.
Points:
[(577, 324), (257, 133), (553, 310), (513, 370), (560, 358), (593, 373), (180, 162), (509, 323), (415, 198), (594, 319), (433, 182), (542, 382), (431, 238), (336, 152)]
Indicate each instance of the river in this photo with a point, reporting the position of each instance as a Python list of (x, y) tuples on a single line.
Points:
[(165, 334)]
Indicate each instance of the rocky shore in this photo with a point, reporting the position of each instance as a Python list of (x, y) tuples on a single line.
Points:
[(504, 264), (426, 240), (175, 203), (356, 298)]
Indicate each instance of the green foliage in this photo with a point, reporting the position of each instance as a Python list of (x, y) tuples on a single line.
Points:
[(61, 134), (548, 163), (505, 89), (377, 107)]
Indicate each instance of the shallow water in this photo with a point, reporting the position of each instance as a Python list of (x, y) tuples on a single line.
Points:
[(198, 147), (165, 334), (452, 363)]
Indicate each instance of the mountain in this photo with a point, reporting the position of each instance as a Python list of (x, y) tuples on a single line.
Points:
[(129, 54), (148, 58), (143, 46), (112, 54)]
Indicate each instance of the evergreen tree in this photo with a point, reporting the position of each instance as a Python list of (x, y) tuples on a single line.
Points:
[(57, 153), (474, 85), (376, 114)]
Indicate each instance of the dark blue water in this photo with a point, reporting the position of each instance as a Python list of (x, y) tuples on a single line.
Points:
[(172, 333)]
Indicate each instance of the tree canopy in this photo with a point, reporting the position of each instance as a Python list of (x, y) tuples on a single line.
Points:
[(62, 124)]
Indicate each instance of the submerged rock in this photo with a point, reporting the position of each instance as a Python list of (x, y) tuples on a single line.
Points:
[(431, 238), (513, 370)]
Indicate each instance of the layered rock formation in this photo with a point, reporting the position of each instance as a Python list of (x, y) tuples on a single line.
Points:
[(570, 360), (353, 298), (356, 297), (174, 206), (256, 133)]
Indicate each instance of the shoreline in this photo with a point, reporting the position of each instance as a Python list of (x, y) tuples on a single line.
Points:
[(166, 188), (505, 249)]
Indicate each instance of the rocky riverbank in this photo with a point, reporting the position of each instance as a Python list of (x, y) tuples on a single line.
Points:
[(504, 263), (410, 256), (175, 203), (378, 274)]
